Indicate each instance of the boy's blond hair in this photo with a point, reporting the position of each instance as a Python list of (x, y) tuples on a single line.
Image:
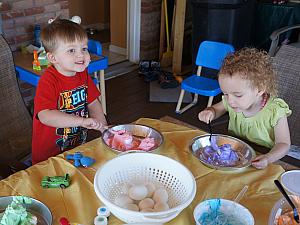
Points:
[(61, 30), (253, 65)]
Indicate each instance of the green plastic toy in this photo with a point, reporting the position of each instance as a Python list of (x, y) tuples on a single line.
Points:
[(56, 181)]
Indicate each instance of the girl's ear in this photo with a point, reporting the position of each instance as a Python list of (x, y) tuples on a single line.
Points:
[(51, 58)]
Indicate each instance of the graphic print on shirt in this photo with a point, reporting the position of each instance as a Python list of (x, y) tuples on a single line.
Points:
[(72, 102)]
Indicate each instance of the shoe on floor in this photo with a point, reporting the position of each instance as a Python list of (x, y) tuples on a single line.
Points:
[(146, 66), (151, 76), (167, 80)]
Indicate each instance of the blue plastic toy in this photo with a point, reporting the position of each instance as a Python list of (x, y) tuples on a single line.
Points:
[(80, 159)]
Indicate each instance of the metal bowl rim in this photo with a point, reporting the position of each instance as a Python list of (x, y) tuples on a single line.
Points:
[(37, 201), (224, 168), (137, 150)]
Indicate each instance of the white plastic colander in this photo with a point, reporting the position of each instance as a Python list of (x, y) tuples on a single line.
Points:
[(145, 167)]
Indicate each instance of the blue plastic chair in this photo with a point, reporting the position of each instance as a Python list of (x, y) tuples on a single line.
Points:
[(210, 55), (95, 47)]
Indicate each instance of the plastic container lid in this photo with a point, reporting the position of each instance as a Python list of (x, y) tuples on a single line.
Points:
[(291, 181), (100, 220), (103, 211)]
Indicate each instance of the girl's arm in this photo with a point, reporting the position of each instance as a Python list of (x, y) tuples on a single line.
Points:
[(96, 112), (282, 141), (281, 147), (212, 113)]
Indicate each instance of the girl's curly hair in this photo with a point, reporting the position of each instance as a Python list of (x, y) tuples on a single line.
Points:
[(253, 65)]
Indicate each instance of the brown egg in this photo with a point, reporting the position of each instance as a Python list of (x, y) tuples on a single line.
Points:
[(147, 210), (146, 203), (160, 195), (161, 206), (132, 207), (151, 188), (122, 200)]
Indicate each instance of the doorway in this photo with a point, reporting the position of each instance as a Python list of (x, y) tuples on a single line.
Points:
[(115, 24)]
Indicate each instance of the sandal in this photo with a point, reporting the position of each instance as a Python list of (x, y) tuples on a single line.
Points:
[(151, 76), (167, 80)]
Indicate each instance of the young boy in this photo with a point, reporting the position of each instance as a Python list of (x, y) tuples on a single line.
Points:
[(66, 102)]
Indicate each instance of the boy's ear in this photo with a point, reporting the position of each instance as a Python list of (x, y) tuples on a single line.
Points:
[(51, 58)]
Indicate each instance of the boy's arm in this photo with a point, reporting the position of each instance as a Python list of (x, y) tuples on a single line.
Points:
[(55, 118), (96, 112), (281, 147)]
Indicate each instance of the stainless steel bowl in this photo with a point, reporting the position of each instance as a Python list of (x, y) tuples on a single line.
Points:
[(243, 149), (37, 208), (281, 207), (136, 130)]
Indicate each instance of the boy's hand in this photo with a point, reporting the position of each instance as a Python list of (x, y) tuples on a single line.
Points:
[(260, 162), (91, 123), (207, 115)]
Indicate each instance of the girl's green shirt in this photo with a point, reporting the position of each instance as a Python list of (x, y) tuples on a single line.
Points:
[(260, 127)]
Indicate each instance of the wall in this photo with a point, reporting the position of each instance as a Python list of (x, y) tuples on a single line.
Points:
[(150, 29), (118, 23), (18, 20), (20, 16), (92, 12)]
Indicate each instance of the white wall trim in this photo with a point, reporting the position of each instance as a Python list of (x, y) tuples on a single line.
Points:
[(133, 30), (117, 49)]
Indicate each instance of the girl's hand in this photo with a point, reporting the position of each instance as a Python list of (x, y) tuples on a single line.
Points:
[(260, 162), (207, 115)]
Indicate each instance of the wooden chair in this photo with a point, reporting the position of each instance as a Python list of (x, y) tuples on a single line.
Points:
[(15, 119)]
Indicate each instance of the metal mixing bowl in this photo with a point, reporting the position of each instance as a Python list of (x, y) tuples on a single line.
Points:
[(281, 207), (137, 130), (243, 149), (37, 208)]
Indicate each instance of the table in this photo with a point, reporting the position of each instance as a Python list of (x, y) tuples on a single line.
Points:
[(79, 201), (23, 65)]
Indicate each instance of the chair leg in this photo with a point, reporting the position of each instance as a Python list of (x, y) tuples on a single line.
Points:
[(95, 76), (180, 101), (210, 100), (194, 102)]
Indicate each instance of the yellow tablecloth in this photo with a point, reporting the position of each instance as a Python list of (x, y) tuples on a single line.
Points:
[(79, 202)]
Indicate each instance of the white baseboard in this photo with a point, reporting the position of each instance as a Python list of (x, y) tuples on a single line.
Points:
[(119, 50)]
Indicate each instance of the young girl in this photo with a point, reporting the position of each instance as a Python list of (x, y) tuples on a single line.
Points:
[(248, 82)]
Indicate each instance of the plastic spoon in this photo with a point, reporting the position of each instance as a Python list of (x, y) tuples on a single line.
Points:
[(210, 130), (213, 141), (237, 199), (241, 194), (283, 192)]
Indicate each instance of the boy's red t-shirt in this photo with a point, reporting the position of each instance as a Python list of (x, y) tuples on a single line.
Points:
[(67, 94)]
